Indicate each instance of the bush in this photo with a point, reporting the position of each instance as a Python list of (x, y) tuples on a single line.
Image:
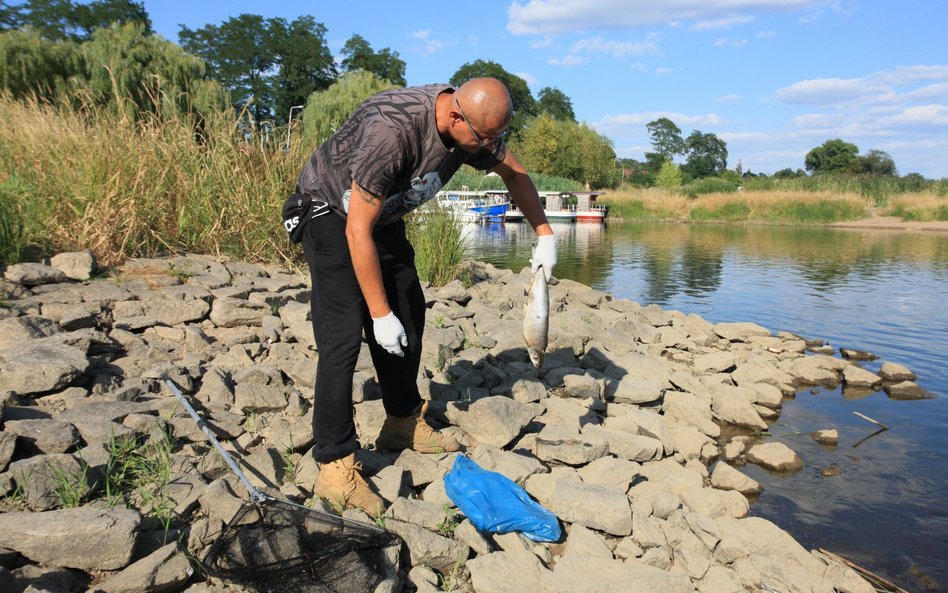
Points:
[(435, 233), (710, 185)]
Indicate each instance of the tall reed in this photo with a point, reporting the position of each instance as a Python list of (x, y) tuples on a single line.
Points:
[(435, 233), (98, 180)]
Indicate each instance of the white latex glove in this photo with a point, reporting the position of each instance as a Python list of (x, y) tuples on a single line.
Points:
[(390, 333), (544, 254)]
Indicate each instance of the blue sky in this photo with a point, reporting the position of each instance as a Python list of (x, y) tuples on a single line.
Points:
[(773, 78)]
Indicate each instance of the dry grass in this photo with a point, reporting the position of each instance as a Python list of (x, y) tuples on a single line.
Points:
[(95, 180), (920, 207), (770, 206)]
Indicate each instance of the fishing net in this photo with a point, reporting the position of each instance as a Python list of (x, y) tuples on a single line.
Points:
[(281, 547), (277, 546)]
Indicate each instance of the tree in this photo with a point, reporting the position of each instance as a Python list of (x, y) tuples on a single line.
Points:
[(707, 155), (61, 19), (566, 149), (31, 64), (326, 110), (833, 156), (305, 61), (269, 63), (524, 105), (385, 63), (669, 176), (875, 162), (130, 69), (555, 102), (666, 139)]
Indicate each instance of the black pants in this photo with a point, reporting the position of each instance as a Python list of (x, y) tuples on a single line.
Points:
[(340, 315)]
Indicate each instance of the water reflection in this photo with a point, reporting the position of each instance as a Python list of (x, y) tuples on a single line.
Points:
[(880, 291)]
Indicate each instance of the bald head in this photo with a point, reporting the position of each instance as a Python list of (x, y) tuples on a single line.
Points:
[(487, 103)]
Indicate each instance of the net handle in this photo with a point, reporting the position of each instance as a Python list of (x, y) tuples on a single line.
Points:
[(255, 495)]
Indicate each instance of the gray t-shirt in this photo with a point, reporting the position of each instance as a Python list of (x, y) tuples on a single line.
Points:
[(391, 147)]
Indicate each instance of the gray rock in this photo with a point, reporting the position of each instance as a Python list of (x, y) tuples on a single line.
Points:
[(895, 373), (611, 472), (164, 570), (7, 446), (734, 405), (591, 505), (715, 362), (857, 377), (516, 466), (429, 515), (77, 265), (611, 576), (14, 331), (826, 437), (494, 420), (422, 469), (633, 447), (102, 411), (45, 479), (250, 397), (634, 390), (50, 537), (296, 320), (46, 436), (41, 367), (428, 548), (582, 386), (740, 331), (230, 312), (775, 456), (907, 390), (508, 571), (32, 274), (726, 477), (554, 443), (691, 410)]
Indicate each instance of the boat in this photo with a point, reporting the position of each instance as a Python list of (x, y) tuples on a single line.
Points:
[(586, 208), (489, 206), (555, 209)]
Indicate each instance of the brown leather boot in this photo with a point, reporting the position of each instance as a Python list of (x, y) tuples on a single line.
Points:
[(341, 483), (414, 433)]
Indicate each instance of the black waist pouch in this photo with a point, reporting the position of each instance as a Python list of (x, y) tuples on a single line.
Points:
[(299, 209)]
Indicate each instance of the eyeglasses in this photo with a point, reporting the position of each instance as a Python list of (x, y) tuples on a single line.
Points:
[(480, 141)]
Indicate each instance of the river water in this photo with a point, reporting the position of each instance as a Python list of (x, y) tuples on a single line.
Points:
[(880, 291)]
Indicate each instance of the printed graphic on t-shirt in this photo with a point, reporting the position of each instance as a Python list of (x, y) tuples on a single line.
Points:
[(422, 190)]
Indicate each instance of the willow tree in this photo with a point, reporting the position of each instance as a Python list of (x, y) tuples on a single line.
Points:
[(326, 110)]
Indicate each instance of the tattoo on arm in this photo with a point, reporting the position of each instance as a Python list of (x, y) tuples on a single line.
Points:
[(365, 195)]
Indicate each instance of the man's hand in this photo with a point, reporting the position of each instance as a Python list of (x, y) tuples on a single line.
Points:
[(390, 333), (544, 254)]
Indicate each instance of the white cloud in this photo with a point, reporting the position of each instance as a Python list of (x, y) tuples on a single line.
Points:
[(529, 78), (568, 61), (766, 34), (661, 71), (541, 43), (421, 34), (722, 23), (828, 91), (616, 49), (627, 121), (432, 47), (562, 16), (924, 115), (724, 41), (730, 98), (429, 46), (638, 67)]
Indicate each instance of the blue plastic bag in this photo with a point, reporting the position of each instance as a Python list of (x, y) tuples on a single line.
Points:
[(496, 504)]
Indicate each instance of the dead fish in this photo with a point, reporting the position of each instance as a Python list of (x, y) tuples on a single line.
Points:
[(536, 317)]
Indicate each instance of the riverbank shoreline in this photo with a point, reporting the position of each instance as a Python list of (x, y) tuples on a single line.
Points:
[(618, 433), (880, 223)]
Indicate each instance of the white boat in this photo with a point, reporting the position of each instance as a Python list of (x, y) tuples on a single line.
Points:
[(488, 206), (586, 208)]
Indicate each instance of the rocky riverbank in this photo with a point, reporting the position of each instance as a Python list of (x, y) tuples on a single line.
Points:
[(106, 484)]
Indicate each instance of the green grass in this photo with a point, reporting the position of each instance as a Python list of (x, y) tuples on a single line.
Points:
[(729, 212), (435, 233), (476, 181), (921, 213), (823, 211), (14, 202)]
